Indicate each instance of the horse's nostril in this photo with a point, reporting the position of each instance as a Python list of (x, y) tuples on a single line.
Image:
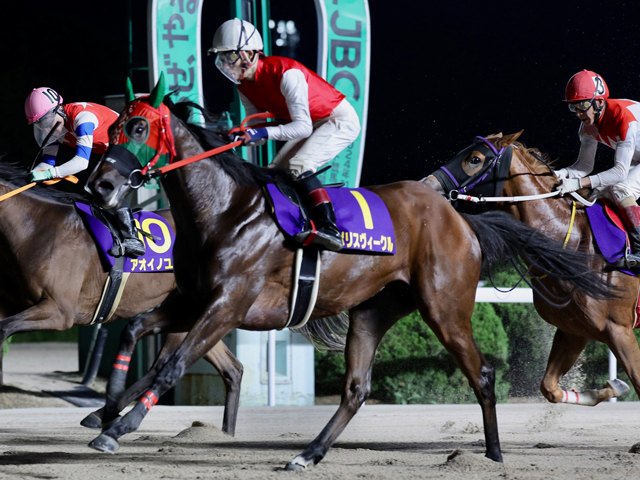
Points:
[(104, 187)]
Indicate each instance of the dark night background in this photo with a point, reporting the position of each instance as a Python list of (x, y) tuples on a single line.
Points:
[(441, 72)]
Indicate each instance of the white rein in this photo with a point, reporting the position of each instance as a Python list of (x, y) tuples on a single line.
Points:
[(522, 198)]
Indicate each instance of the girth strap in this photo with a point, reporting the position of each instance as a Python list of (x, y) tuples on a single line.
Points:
[(112, 292), (305, 286)]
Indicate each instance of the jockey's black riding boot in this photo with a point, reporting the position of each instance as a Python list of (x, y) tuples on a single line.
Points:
[(631, 216), (322, 229), (130, 245)]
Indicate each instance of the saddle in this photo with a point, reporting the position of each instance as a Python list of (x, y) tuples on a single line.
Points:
[(160, 239), (611, 238), (361, 216)]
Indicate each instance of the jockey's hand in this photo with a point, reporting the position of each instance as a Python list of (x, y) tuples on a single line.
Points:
[(254, 136), (561, 174), (569, 185), (42, 175)]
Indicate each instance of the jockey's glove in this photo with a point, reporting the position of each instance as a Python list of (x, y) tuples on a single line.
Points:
[(253, 136), (569, 185), (42, 175), (561, 174)]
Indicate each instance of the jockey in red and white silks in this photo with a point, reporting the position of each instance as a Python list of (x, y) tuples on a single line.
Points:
[(322, 122), (81, 125), (614, 123), (619, 128), (84, 127)]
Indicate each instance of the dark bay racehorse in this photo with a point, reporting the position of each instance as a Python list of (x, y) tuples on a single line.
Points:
[(233, 266), (52, 278), (608, 320)]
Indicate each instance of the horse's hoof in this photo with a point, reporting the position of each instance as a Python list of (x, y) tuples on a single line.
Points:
[(104, 443), (618, 386), (92, 421), (297, 464), (294, 467)]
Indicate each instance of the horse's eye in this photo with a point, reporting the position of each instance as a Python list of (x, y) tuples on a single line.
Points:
[(475, 160), (137, 129)]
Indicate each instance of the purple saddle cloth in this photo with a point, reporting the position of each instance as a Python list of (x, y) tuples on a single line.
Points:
[(610, 238), (361, 216), (158, 256)]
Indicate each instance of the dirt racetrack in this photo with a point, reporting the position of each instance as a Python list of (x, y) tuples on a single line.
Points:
[(540, 441)]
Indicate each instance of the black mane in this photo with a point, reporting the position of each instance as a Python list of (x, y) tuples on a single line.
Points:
[(17, 175), (243, 173)]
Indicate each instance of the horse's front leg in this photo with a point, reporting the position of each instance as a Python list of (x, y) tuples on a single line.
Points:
[(366, 329), (158, 321), (206, 332), (565, 350)]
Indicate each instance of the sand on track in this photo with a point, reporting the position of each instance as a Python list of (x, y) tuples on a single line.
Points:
[(539, 441)]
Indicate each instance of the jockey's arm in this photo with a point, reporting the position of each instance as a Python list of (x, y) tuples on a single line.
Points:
[(84, 125), (295, 89), (620, 170), (583, 166)]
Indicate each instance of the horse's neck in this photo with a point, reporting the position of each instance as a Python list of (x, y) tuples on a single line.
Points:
[(201, 193), (551, 215)]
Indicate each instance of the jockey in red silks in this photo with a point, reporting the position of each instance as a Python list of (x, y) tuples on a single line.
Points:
[(322, 122), (84, 127), (615, 124)]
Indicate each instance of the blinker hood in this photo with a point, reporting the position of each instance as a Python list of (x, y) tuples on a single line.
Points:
[(489, 181)]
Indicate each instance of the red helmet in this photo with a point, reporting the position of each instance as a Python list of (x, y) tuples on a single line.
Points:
[(585, 85)]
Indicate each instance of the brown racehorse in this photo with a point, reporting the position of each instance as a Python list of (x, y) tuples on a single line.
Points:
[(233, 266), (608, 320), (52, 278)]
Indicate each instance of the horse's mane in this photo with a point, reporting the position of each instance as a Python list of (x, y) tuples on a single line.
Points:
[(17, 175), (243, 173), (533, 158)]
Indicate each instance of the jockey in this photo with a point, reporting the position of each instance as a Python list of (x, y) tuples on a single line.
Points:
[(614, 123), (322, 122), (83, 126)]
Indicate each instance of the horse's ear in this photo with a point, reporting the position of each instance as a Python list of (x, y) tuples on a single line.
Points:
[(156, 97), (509, 139), (129, 95)]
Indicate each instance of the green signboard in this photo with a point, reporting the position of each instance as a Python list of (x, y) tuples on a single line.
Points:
[(174, 47), (344, 46)]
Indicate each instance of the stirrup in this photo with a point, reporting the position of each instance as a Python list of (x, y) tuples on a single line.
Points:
[(311, 236), (628, 262)]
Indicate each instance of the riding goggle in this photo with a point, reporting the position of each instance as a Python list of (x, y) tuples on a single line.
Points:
[(227, 63), (581, 106), (44, 126)]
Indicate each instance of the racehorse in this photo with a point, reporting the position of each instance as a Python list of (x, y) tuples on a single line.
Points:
[(52, 278), (233, 265), (577, 317)]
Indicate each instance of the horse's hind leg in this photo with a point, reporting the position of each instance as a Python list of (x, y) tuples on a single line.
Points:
[(367, 325), (231, 371), (454, 331), (624, 346)]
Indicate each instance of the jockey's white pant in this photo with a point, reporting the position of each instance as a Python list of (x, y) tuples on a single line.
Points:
[(330, 136), (628, 188)]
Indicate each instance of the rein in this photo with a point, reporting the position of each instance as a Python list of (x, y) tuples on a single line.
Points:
[(69, 178), (156, 172)]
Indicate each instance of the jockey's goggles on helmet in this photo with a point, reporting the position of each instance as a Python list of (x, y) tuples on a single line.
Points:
[(581, 106), (230, 65)]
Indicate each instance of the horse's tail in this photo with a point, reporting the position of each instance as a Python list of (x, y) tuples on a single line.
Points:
[(503, 237), (329, 333)]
